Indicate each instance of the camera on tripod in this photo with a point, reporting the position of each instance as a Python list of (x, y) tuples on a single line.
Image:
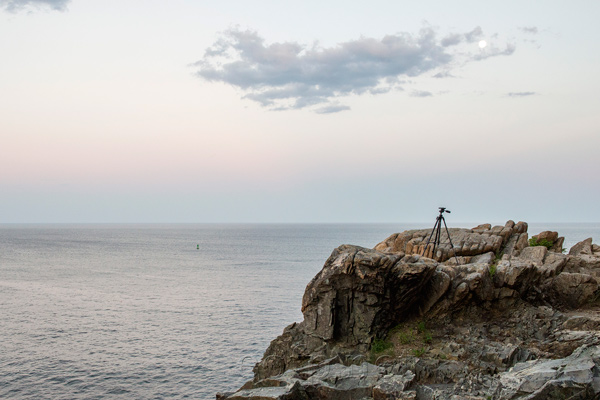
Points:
[(436, 234)]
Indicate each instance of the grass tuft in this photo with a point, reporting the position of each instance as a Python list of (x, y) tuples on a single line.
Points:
[(380, 345)]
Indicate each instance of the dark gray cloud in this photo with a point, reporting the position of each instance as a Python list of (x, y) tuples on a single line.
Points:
[(290, 75), (18, 5), (521, 94)]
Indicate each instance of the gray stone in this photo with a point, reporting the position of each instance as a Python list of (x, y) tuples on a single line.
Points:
[(532, 377), (536, 254), (482, 228), (260, 393), (557, 247), (573, 290), (520, 227), (391, 387), (486, 258), (582, 248)]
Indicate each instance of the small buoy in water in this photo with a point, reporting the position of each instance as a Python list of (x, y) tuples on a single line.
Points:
[(197, 247)]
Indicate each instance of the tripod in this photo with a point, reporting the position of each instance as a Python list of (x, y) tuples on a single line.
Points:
[(437, 230)]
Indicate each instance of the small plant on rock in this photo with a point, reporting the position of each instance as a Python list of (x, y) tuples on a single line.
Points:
[(405, 337), (380, 345), (419, 352), (492, 270), (498, 257), (427, 338), (543, 242)]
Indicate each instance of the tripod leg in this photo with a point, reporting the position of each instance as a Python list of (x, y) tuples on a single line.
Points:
[(450, 240), (438, 237), (434, 230)]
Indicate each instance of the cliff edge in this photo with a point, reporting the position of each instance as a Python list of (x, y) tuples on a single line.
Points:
[(495, 316)]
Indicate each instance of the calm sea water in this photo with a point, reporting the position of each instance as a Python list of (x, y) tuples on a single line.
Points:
[(138, 312)]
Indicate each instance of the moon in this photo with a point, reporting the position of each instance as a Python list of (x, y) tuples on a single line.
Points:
[(482, 44)]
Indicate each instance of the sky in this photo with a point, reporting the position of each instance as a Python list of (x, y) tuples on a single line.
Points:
[(298, 112)]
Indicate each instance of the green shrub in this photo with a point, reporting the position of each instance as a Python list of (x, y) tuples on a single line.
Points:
[(492, 270), (544, 242), (421, 327)]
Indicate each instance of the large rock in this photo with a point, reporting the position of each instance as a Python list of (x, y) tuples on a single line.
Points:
[(584, 259), (498, 304), (574, 377), (573, 290), (551, 237), (361, 293), (358, 295), (582, 248), (465, 242), (326, 381)]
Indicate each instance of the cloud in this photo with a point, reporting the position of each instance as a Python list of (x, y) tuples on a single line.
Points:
[(332, 109), (18, 5), (529, 29), (521, 94), (289, 75), (452, 40), (474, 35), (443, 74), (492, 51), (420, 93)]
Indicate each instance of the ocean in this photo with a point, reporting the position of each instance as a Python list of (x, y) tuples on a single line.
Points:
[(160, 311)]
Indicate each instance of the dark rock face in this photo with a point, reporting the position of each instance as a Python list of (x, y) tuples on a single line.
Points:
[(358, 295), (505, 304)]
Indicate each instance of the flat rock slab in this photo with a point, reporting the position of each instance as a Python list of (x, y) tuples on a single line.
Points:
[(266, 393), (576, 370)]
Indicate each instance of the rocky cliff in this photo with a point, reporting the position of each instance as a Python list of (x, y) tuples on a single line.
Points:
[(495, 316)]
